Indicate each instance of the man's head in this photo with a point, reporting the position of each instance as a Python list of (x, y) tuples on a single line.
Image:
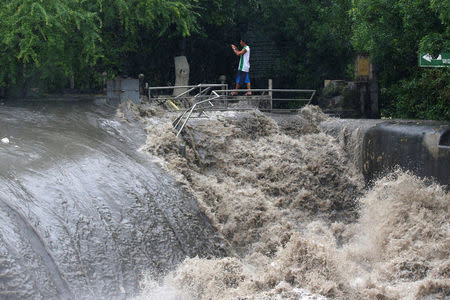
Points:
[(243, 42)]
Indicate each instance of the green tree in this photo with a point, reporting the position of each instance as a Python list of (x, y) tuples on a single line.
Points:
[(393, 32), (438, 40), (424, 96), (135, 29), (46, 39), (52, 41)]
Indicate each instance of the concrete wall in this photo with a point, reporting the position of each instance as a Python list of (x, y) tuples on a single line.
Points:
[(378, 146), (120, 90)]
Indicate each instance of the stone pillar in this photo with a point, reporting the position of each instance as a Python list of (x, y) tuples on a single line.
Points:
[(141, 84), (181, 74), (222, 79)]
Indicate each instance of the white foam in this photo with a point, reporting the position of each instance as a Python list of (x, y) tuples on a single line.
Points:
[(295, 213)]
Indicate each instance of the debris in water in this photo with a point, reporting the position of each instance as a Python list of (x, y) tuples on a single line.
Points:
[(5, 140)]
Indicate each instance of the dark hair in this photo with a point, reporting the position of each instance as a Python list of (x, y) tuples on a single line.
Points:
[(244, 39)]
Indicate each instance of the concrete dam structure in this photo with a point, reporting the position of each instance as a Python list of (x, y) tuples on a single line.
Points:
[(380, 146), (100, 202), (83, 214)]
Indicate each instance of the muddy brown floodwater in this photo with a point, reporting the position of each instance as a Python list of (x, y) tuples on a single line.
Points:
[(296, 215)]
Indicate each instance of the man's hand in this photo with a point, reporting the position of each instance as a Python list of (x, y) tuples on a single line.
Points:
[(236, 51)]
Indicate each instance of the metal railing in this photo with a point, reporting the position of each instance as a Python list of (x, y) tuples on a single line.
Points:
[(223, 101), (202, 90)]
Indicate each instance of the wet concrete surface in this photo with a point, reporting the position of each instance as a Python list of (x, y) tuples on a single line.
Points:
[(380, 146), (82, 213)]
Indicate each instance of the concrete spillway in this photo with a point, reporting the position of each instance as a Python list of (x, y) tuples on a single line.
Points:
[(82, 213)]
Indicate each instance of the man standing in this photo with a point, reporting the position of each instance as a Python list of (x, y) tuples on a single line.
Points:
[(243, 67)]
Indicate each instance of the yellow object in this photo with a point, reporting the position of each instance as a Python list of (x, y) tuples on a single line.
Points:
[(363, 66), (173, 105)]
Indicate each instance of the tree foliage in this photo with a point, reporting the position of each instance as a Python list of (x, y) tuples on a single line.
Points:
[(132, 27), (424, 96), (394, 33), (53, 37), (50, 42)]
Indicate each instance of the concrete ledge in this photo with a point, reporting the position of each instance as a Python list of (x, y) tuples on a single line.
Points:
[(377, 146)]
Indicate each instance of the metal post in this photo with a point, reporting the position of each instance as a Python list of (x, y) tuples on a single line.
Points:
[(141, 84), (223, 79), (270, 93), (104, 74)]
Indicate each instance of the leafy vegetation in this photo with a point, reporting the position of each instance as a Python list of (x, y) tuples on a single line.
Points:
[(49, 39), (394, 33), (53, 41), (59, 44), (423, 96)]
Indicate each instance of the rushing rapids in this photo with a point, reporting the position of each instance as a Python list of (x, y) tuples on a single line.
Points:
[(246, 206), (296, 214)]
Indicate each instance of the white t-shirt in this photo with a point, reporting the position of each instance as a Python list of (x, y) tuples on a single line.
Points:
[(244, 62)]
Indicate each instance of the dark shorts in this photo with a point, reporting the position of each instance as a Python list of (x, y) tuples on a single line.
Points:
[(242, 77)]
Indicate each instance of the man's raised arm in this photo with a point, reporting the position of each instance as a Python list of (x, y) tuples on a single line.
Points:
[(238, 53)]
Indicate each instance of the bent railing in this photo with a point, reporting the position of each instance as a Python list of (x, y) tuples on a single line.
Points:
[(201, 91), (263, 100)]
